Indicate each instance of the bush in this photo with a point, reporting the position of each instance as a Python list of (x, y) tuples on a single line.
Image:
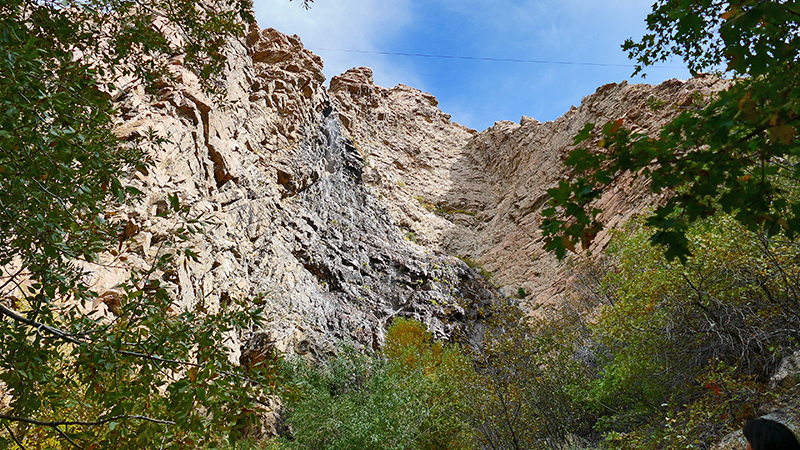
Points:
[(723, 402), (652, 353), (690, 342), (403, 398), (530, 390)]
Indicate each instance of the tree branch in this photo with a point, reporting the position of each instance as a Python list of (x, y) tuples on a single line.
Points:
[(66, 436), (11, 278), (14, 438), (68, 337), (56, 423), (39, 326)]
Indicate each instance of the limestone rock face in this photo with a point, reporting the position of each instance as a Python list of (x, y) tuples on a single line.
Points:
[(292, 225), (480, 195), (339, 208), (788, 373), (411, 151)]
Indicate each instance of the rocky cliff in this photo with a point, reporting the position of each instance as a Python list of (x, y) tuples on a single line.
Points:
[(339, 208), (480, 195)]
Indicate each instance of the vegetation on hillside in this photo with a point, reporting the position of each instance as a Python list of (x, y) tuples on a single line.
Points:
[(649, 354), (684, 351), (696, 303), (404, 397), (664, 346)]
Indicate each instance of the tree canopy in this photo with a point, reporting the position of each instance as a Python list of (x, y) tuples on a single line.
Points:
[(148, 373), (735, 152)]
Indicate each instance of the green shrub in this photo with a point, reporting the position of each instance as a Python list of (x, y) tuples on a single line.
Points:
[(529, 392), (403, 398), (651, 353), (684, 346)]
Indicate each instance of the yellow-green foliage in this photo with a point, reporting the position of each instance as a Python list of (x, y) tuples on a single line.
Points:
[(410, 345), (527, 393), (437, 370), (684, 346), (405, 397), (672, 355), (654, 354)]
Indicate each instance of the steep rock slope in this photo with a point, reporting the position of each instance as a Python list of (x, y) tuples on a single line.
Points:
[(411, 149), (337, 209), (480, 195), (291, 224)]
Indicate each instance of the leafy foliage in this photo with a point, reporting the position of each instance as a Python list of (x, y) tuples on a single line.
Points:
[(732, 297), (684, 349), (723, 401), (528, 390), (148, 373), (405, 398), (649, 353), (736, 152), (706, 333)]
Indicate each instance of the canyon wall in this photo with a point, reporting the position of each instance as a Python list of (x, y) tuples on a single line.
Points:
[(337, 209), (480, 196)]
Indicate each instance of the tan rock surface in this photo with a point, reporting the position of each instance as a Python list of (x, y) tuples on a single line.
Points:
[(484, 192), (410, 149), (292, 226), (340, 208)]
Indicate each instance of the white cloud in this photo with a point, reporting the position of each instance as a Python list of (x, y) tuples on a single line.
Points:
[(344, 24)]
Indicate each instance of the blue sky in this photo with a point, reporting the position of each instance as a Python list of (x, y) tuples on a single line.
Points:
[(476, 93)]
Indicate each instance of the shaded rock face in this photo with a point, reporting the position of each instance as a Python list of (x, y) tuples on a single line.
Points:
[(338, 209), (292, 224)]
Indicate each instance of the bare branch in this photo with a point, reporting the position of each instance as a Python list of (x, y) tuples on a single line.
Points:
[(14, 438), (56, 423)]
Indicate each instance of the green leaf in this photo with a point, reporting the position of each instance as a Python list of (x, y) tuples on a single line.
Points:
[(174, 202), (584, 134)]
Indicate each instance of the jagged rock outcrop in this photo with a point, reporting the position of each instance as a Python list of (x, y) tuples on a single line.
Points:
[(292, 224), (337, 209), (480, 195), (788, 373), (411, 151)]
